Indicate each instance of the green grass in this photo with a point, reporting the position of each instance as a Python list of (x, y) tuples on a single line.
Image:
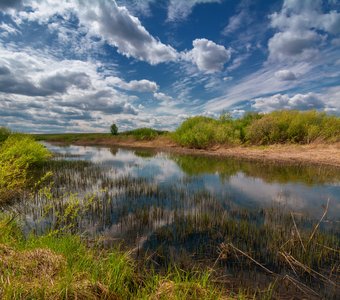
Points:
[(138, 134), (143, 133), (18, 154), (70, 137), (62, 267)]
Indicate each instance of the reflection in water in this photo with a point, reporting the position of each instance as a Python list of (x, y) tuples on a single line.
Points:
[(181, 208)]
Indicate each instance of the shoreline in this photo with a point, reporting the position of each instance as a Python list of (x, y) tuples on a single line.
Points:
[(315, 154)]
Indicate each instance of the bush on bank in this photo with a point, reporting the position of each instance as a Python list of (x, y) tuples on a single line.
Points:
[(286, 126)]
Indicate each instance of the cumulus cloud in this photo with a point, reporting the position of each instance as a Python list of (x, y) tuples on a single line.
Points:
[(279, 101), (107, 20), (302, 26), (179, 9), (285, 75), (125, 32), (39, 91), (208, 56)]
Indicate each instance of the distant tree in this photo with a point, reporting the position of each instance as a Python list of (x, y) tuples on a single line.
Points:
[(114, 129)]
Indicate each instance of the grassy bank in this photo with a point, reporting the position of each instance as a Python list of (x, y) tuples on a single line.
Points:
[(19, 154), (140, 134), (62, 267)]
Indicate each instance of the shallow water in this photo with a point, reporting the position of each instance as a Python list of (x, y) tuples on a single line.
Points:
[(182, 208), (304, 189)]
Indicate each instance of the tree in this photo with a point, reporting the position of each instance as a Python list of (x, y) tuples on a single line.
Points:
[(114, 129)]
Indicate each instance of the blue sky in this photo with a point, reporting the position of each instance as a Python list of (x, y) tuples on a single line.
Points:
[(79, 65)]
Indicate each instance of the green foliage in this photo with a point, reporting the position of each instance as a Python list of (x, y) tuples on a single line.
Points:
[(114, 129), (259, 129), (293, 127), (143, 133), (203, 132), (17, 155), (61, 267), (4, 133)]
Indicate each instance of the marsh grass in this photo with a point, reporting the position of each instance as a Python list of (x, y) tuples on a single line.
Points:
[(62, 267)]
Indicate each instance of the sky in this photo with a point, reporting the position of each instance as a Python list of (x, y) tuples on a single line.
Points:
[(81, 65)]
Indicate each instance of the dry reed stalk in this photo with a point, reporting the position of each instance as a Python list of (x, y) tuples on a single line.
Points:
[(318, 224)]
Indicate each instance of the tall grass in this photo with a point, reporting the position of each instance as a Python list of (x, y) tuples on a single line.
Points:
[(18, 154), (259, 129)]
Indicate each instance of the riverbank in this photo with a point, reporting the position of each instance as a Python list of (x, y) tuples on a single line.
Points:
[(315, 153)]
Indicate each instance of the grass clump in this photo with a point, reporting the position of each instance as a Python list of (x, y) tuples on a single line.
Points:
[(18, 154)]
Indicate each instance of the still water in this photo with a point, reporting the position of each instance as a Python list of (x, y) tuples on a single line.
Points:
[(184, 209)]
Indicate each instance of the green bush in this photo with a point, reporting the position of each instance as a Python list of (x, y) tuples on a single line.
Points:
[(202, 132), (293, 127), (144, 133), (259, 129), (4, 133)]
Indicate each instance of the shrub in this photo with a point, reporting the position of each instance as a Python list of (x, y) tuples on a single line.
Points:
[(4, 134), (202, 132), (293, 127), (144, 133), (259, 129)]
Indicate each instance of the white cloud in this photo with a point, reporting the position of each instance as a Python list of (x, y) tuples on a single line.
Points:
[(208, 56), (300, 44), (180, 9), (163, 97), (134, 85), (109, 21), (285, 75), (279, 101), (125, 32), (235, 22), (7, 30), (302, 26)]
